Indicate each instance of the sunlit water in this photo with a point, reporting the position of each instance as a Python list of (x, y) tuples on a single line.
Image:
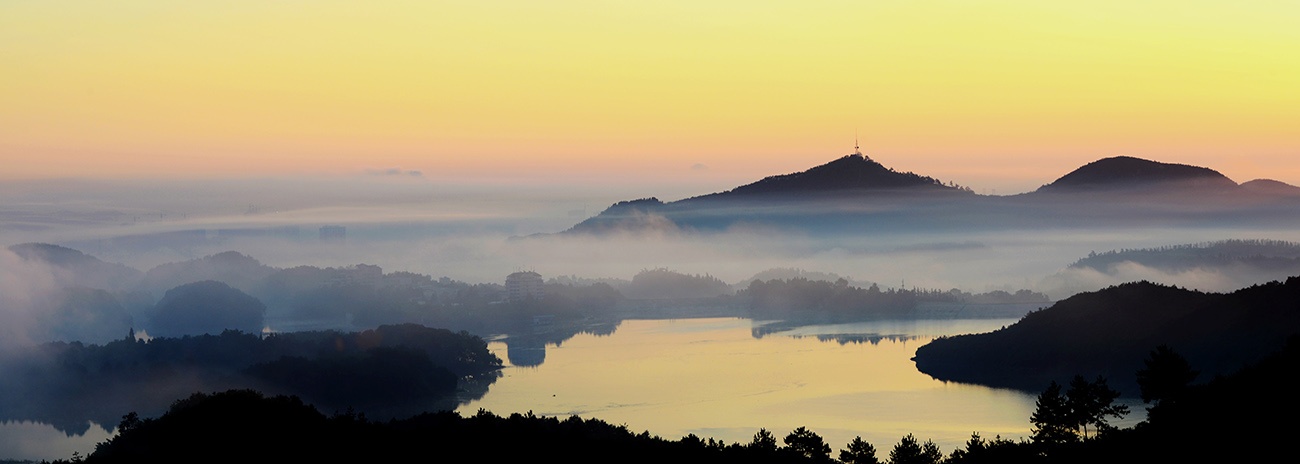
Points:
[(711, 377), (25, 440)]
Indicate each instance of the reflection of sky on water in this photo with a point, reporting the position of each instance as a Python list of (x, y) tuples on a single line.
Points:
[(712, 377), (25, 440), (914, 328)]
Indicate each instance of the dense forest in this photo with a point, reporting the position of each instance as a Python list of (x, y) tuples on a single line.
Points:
[(1275, 255), (391, 366), (803, 300), (1106, 332)]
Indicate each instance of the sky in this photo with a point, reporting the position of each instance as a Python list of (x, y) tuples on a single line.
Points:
[(1001, 96)]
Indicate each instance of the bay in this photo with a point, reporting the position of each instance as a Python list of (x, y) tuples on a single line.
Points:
[(727, 377)]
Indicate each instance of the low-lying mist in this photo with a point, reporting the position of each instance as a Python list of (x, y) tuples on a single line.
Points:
[(481, 233)]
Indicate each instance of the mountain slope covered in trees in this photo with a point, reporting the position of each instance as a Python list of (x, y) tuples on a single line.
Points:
[(1108, 333)]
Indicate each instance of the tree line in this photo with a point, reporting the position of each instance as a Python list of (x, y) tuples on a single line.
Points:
[(1070, 424)]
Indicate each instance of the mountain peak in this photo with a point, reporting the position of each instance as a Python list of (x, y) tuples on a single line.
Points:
[(854, 172), (1122, 172)]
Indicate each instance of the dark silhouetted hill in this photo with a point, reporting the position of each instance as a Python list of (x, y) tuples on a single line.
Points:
[(245, 426), (850, 177), (1109, 332), (1127, 172), (851, 173), (205, 307)]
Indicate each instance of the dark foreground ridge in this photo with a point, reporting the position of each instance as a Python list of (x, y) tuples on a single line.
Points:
[(1108, 331), (245, 426)]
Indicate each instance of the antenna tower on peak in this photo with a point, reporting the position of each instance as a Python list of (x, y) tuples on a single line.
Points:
[(856, 149)]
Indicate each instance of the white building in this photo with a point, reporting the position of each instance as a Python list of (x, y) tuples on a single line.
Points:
[(523, 285)]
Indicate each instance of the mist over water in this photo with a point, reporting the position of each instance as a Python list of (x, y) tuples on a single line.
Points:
[(481, 233)]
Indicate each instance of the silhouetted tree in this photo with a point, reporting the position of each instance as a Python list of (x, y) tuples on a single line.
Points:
[(930, 453), (807, 443), (1090, 403), (1165, 377), (859, 452), (909, 451), (1051, 417), (763, 441)]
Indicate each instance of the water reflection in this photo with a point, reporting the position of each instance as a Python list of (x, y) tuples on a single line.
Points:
[(728, 377), (27, 440), (527, 347), (873, 339)]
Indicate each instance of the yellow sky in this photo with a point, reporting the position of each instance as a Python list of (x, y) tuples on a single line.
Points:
[(972, 91)]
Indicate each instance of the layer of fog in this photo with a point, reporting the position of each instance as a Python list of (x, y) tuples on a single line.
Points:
[(479, 233)]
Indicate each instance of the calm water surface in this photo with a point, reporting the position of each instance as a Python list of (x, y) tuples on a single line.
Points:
[(722, 378), (26, 440), (714, 378)]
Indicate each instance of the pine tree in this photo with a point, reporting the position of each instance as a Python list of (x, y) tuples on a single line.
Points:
[(859, 452), (1165, 377), (1052, 419), (809, 444), (908, 451)]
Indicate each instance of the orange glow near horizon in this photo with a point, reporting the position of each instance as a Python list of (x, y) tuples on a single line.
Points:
[(1000, 94)]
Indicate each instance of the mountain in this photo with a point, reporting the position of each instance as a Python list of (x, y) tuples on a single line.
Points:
[(1110, 332), (205, 307), (82, 269), (855, 195), (851, 179), (233, 268), (1127, 172), (854, 173), (1270, 187)]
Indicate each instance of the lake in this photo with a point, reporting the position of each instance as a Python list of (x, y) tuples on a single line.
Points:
[(718, 378)]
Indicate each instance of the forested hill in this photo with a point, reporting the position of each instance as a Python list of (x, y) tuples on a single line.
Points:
[(392, 366), (1270, 254), (1109, 332), (1130, 172), (850, 177), (851, 173)]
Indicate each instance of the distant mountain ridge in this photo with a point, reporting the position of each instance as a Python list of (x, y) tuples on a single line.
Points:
[(850, 177), (855, 194)]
